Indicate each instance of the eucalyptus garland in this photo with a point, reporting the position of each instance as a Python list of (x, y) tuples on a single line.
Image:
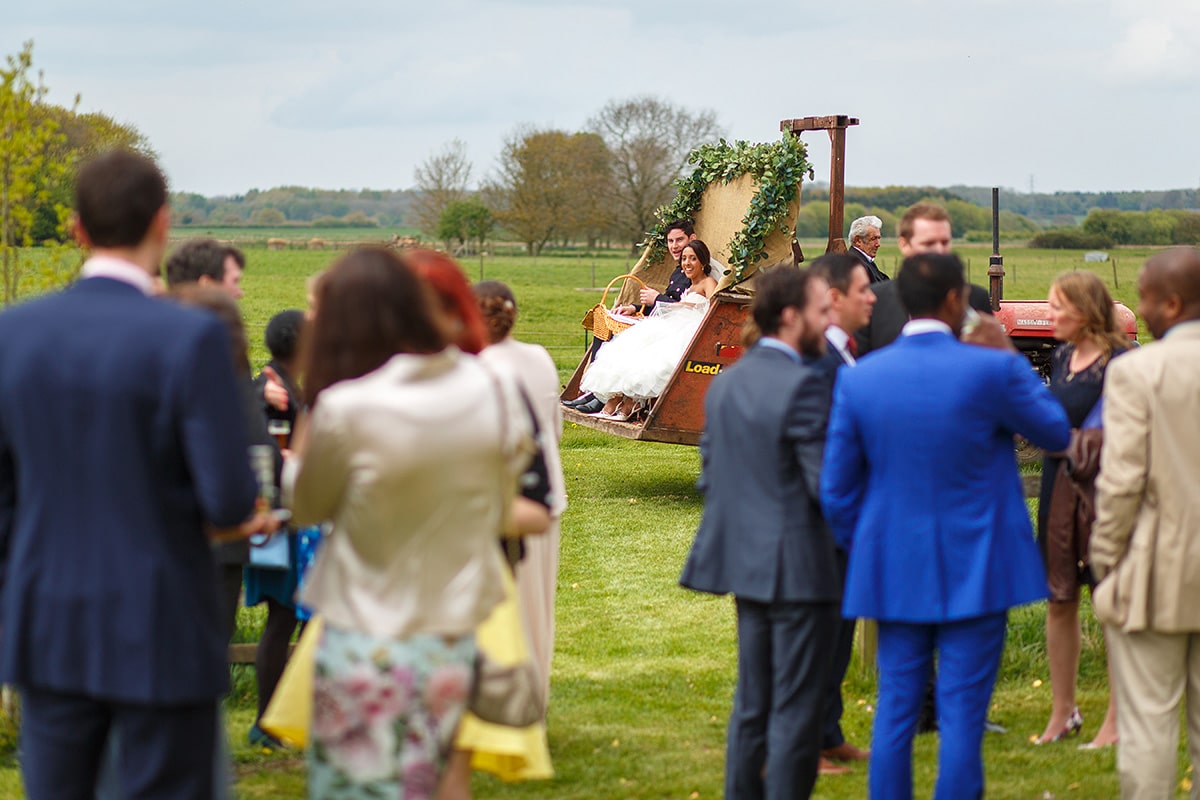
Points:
[(777, 167)]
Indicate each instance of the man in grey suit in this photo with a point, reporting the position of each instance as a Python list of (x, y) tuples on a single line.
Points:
[(762, 538)]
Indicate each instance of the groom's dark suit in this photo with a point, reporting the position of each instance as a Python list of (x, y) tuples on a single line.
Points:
[(121, 434), (762, 538)]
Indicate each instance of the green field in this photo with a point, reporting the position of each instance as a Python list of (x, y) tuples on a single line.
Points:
[(644, 671)]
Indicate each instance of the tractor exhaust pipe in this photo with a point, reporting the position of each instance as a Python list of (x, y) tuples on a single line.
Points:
[(996, 264)]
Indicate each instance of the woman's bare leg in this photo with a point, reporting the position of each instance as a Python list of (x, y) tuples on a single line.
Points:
[(456, 779), (1062, 651)]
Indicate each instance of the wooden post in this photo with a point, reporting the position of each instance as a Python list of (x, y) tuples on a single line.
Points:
[(836, 127), (1115, 284)]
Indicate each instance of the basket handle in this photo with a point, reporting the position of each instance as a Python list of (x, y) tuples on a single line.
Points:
[(604, 297)]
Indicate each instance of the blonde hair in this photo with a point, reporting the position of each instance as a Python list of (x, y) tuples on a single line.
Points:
[(1090, 297)]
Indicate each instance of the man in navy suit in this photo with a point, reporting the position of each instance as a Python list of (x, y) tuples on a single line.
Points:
[(927, 500), (763, 540), (850, 304), (122, 449)]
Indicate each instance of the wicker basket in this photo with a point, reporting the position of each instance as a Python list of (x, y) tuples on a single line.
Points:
[(599, 321)]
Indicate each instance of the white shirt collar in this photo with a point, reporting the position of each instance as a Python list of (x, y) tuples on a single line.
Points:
[(918, 326), (864, 252), (840, 339), (118, 270)]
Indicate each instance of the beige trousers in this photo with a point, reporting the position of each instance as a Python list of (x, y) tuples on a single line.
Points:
[(1153, 672)]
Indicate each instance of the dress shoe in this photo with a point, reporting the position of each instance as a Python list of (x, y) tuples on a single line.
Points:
[(584, 398), (591, 406), (1073, 725), (827, 767), (845, 752), (260, 738)]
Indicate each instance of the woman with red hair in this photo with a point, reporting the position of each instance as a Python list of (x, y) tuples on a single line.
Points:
[(512, 754), (457, 299)]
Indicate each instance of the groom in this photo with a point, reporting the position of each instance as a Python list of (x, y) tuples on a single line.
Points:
[(762, 538)]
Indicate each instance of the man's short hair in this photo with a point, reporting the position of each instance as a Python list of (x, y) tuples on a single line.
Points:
[(925, 279), (194, 259), (283, 334), (904, 228), (776, 288), (858, 228), (237, 255), (117, 195), (837, 269), (684, 225)]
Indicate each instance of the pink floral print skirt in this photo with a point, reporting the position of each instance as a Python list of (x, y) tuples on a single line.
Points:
[(384, 713)]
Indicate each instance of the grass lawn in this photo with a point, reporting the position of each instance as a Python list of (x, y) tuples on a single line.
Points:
[(644, 670)]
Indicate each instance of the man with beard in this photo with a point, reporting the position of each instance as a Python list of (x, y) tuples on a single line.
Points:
[(762, 537)]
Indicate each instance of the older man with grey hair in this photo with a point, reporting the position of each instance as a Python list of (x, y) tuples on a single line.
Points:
[(865, 236)]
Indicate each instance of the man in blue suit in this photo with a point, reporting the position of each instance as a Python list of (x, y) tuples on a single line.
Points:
[(927, 501), (122, 449), (762, 538)]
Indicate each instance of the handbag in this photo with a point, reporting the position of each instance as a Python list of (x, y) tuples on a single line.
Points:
[(600, 321), (271, 552), (507, 689)]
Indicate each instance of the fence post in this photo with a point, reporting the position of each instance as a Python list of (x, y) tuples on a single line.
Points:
[(1115, 284)]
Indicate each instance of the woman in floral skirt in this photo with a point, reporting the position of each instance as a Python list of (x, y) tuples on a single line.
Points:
[(416, 476)]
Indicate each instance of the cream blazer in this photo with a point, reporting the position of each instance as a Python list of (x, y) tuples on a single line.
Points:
[(1146, 542), (415, 464)]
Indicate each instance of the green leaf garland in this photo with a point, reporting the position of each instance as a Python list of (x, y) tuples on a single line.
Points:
[(777, 167)]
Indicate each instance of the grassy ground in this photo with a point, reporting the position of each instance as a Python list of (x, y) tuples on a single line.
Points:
[(644, 671)]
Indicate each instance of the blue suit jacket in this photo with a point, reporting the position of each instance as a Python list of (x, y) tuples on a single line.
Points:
[(761, 536), (927, 498), (121, 433)]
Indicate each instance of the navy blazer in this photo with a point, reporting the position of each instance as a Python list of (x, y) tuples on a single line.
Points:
[(762, 536), (927, 498), (121, 434)]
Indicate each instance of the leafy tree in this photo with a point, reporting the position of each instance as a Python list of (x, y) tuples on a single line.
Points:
[(543, 179), (440, 180), (29, 173), (649, 141), (466, 222)]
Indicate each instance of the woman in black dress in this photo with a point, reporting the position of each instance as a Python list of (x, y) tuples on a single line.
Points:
[(1082, 312)]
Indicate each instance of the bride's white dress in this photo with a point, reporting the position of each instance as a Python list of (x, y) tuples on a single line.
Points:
[(639, 361)]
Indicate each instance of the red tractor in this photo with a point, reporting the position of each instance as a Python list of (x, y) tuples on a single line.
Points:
[(1027, 322)]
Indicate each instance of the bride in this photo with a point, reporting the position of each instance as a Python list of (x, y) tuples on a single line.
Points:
[(636, 365)]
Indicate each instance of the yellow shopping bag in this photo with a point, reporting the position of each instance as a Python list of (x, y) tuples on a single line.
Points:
[(289, 714)]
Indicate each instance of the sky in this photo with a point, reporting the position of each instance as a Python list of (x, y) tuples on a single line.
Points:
[(1065, 95)]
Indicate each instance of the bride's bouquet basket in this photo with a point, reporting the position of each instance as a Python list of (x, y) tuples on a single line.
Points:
[(600, 321)]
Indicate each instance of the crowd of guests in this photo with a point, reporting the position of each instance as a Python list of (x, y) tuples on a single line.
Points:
[(885, 487), (407, 490), (398, 417)]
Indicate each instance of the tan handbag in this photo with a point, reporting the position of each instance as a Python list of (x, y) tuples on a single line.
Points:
[(599, 321)]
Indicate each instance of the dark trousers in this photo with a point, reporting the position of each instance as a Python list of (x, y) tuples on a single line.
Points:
[(774, 737), (968, 653), (229, 589), (273, 649), (843, 646), (166, 751)]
